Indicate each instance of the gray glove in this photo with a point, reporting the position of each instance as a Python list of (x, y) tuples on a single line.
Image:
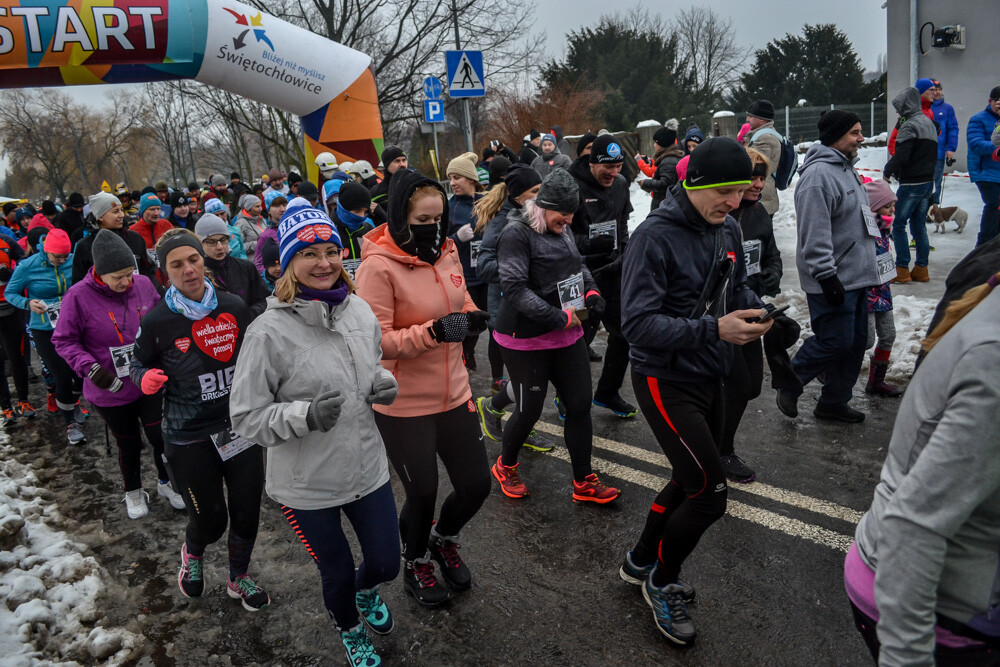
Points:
[(384, 390), (324, 411)]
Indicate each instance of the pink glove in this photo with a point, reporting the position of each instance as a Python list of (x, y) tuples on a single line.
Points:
[(152, 381)]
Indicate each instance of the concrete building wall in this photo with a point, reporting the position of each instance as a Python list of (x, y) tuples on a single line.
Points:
[(967, 76)]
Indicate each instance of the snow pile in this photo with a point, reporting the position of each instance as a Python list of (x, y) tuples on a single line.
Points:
[(48, 587), (649, 123)]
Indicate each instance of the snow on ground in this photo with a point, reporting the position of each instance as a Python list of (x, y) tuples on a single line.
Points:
[(914, 302), (48, 586)]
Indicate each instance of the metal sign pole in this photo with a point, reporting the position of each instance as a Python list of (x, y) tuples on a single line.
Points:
[(465, 103), (436, 151)]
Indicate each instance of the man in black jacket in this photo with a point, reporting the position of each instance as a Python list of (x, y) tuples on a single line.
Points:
[(236, 276), (71, 219), (530, 147), (600, 229)]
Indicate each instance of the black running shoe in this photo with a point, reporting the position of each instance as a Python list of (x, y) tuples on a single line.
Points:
[(840, 413), (420, 582), (788, 403), (670, 612), (453, 570), (617, 405), (737, 470), (638, 574)]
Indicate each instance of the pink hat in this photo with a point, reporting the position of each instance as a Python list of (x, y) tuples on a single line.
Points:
[(57, 242), (879, 194), (682, 167)]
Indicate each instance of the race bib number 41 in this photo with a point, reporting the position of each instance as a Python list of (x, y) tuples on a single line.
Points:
[(571, 292)]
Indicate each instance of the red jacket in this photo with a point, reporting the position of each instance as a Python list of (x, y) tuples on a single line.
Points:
[(151, 233)]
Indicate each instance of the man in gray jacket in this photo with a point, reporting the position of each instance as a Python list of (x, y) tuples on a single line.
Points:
[(764, 139), (835, 256)]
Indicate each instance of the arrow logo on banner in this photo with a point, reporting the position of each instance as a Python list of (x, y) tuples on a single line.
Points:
[(261, 37), (256, 20), (240, 19), (238, 42)]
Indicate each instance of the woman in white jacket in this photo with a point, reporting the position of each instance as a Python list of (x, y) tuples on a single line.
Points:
[(309, 375)]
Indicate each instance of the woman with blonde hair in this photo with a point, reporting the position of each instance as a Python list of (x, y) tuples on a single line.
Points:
[(304, 389)]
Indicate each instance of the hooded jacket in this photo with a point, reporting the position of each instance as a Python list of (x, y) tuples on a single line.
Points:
[(240, 277), (487, 268), (925, 107), (528, 152), (982, 166), (916, 143), (291, 354), (546, 162), (83, 256), (829, 213), (758, 242), (666, 267), (460, 214), (251, 228), (407, 295), (664, 176), (69, 220), (694, 132), (531, 266), (768, 145), (93, 320), (40, 280), (944, 116), (932, 534)]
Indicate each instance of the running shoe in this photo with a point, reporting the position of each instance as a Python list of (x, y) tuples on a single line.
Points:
[(491, 421), (9, 417), (373, 610), (538, 442), (617, 405), (913, 244), (788, 403), (80, 414), (510, 480), (74, 434), (135, 503), (453, 570), (498, 386), (560, 408), (592, 490), (738, 471), (244, 589), (669, 611), (360, 652), (51, 404), (638, 574), (24, 409), (190, 578), (420, 582), (164, 490)]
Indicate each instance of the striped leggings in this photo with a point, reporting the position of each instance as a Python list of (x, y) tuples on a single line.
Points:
[(373, 518)]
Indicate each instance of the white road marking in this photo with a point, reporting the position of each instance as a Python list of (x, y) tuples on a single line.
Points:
[(766, 518)]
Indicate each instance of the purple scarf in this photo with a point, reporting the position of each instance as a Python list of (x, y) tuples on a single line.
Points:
[(332, 298)]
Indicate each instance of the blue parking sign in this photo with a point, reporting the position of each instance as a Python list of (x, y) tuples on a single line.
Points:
[(433, 111)]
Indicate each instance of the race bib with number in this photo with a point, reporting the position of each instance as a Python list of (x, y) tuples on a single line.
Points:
[(474, 253), (606, 228), (870, 224), (153, 257), (52, 310), (751, 256), (121, 357), (571, 292), (886, 265), (352, 265), (229, 444)]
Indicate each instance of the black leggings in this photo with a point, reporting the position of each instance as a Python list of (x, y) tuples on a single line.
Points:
[(687, 422), (199, 472), (741, 386), (373, 518), (568, 368), (126, 423), (480, 297), (414, 445), (68, 383), (14, 340)]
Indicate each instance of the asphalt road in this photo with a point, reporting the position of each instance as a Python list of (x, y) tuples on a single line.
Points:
[(546, 586)]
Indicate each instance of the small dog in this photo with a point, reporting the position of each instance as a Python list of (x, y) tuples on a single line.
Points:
[(939, 215)]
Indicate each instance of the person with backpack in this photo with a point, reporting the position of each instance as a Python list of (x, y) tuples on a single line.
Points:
[(777, 150)]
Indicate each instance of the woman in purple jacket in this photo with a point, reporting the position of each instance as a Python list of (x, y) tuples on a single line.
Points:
[(96, 330)]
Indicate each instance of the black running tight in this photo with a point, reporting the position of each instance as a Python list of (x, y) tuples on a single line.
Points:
[(200, 474), (414, 445), (687, 422), (568, 369), (68, 384), (126, 423), (15, 340)]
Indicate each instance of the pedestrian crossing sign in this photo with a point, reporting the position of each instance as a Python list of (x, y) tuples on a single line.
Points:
[(465, 73)]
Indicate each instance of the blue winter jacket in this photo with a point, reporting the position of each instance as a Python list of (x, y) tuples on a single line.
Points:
[(944, 116), (667, 263), (42, 281), (982, 166)]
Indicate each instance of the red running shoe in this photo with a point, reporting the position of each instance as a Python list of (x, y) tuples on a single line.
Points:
[(53, 408), (510, 480), (591, 490)]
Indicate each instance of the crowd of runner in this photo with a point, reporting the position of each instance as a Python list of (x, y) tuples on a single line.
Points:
[(335, 325)]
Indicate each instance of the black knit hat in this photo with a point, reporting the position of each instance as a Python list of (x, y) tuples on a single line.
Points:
[(179, 199), (235, 175), (390, 153), (49, 208), (762, 109), (995, 93), (666, 135), (520, 178), (75, 200), (488, 153), (111, 253), (718, 162), (534, 134), (606, 150), (308, 191), (354, 196), (269, 253), (498, 169), (8, 207), (294, 178), (835, 123), (559, 192), (585, 140)]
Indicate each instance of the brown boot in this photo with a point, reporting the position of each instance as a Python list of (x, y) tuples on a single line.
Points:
[(902, 275), (876, 380), (919, 274)]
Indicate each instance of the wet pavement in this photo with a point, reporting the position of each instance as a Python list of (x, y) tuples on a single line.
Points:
[(546, 586)]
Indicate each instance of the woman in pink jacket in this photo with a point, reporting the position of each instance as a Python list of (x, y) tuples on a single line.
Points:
[(411, 276)]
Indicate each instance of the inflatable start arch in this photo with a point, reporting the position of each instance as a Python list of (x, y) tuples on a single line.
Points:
[(222, 43)]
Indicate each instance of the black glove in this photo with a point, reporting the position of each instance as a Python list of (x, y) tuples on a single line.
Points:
[(104, 379), (452, 328), (602, 245), (478, 319), (596, 305), (5, 274), (833, 290), (324, 411)]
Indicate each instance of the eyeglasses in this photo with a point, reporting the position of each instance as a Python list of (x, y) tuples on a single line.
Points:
[(55, 256), (311, 255), (215, 241)]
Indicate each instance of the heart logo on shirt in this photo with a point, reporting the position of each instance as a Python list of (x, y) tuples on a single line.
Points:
[(456, 280), (183, 344), (216, 338)]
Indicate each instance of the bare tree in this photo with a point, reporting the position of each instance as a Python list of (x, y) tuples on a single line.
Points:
[(30, 136), (708, 43)]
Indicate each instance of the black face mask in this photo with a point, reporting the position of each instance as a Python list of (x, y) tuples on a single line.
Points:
[(427, 240)]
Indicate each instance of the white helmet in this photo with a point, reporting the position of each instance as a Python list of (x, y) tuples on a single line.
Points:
[(346, 167), (327, 164)]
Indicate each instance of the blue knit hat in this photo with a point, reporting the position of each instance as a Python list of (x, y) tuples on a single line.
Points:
[(147, 200), (922, 85), (331, 188), (215, 206), (269, 198), (301, 226)]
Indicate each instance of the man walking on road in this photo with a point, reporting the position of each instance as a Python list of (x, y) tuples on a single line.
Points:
[(944, 116), (835, 257), (983, 169), (764, 139)]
